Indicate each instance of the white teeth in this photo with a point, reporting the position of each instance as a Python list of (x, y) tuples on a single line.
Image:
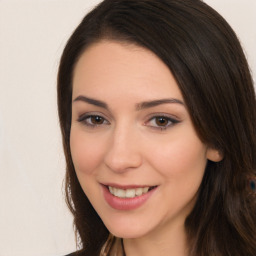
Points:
[(120, 193), (138, 191), (111, 190), (145, 190), (128, 193)]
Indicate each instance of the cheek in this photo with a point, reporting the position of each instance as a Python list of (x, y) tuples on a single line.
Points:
[(181, 162), (86, 152), (180, 156)]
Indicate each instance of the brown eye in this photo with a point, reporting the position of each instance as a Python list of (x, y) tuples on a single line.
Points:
[(161, 121), (97, 120), (93, 120)]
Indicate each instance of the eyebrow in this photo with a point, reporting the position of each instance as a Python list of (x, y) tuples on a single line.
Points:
[(91, 101), (154, 103), (139, 106)]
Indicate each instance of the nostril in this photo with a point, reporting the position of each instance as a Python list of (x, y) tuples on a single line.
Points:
[(122, 161)]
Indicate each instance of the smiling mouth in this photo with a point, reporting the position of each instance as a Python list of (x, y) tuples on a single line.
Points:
[(129, 193)]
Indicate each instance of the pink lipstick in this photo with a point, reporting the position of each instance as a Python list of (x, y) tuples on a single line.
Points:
[(127, 197)]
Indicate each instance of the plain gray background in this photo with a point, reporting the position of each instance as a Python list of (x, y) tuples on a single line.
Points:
[(34, 220)]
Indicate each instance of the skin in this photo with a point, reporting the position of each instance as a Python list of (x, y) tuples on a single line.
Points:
[(128, 145)]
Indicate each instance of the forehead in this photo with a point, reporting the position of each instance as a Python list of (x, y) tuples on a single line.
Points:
[(109, 67)]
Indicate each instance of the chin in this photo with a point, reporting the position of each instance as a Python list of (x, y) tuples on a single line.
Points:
[(127, 233), (127, 230)]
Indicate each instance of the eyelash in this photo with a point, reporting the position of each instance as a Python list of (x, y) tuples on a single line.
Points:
[(170, 121), (84, 119)]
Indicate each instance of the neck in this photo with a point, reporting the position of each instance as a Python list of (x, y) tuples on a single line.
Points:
[(171, 241)]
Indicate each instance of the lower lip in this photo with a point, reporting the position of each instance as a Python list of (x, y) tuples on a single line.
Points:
[(126, 203)]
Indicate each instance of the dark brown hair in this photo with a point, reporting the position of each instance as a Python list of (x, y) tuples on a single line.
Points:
[(205, 56)]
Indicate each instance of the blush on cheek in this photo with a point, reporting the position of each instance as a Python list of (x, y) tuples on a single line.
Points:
[(85, 154), (84, 160), (180, 157)]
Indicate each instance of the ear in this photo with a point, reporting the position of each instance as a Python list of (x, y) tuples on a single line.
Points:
[(214, 155)]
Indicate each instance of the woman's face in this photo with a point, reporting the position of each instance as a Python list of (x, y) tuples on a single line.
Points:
[(135, 151)]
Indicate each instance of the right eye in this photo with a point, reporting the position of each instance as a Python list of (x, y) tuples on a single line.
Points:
[(93, 120)]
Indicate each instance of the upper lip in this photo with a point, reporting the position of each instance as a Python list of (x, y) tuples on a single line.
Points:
[(126, 186)]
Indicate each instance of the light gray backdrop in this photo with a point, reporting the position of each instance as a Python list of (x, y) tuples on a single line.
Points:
[(34, 220)]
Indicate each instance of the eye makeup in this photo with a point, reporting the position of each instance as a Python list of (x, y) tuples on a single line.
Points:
[(161, 121), (93, 120)]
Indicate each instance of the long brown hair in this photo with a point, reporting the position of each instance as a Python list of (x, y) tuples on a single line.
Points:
[(205, 56)]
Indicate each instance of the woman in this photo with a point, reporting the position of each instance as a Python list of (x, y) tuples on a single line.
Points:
[(158, 116)]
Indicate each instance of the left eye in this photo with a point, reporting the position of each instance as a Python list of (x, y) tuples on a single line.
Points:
[(161, 122)]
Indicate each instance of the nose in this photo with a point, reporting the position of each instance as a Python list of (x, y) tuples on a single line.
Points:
[(123, 152)]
